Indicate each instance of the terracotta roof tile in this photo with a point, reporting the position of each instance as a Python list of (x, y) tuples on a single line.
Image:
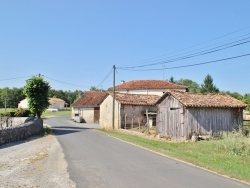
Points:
[(149, 84), (90, 99), (136, 99), (206, 100), (52, 100)]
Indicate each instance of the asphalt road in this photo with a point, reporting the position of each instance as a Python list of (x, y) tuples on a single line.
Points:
[(97, 160)]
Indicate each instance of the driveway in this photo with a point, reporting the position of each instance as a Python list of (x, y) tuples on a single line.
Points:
[(97, 160)]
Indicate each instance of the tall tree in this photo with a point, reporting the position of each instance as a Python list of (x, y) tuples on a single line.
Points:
[(192, 85), (208, 86), (37, 92), (171, 79)]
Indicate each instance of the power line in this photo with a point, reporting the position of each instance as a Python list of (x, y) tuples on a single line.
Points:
[(15, 78), (199, 44), (190, 65), (205, 52), (106, 77), (64, 82)]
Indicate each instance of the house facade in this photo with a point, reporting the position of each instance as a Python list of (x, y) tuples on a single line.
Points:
[(181, 115), (148, 87), (55, 103), (129, 109), (87, 107)]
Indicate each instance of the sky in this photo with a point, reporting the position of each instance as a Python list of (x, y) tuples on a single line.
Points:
[(75, 44)]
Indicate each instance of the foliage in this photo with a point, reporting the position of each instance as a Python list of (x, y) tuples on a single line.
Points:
[(93, 88), (193, 86), (208, 86), (36, 91), (20, 112), (14, 96), (171, 79), (45, 131), (237, 144)]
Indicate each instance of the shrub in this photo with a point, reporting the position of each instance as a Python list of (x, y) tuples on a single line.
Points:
[(235, 144)]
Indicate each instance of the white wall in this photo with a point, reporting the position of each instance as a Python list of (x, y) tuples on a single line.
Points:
[(86, 113), (158, 92), (106, 116)]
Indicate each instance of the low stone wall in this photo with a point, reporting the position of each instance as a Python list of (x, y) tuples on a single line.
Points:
[(23, 131)]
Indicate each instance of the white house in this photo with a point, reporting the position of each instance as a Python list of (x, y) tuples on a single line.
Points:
[(55, 103)]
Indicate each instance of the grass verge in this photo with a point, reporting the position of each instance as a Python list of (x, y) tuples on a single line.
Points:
[(59, 113), (212, 155), (45, 130)]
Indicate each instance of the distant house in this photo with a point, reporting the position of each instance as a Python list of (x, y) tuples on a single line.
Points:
[(148, 87), (55, 103), (88, 106), (126, 105), (182, 114)]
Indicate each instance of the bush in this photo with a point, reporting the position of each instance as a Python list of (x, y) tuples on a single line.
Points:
[(20, 112), (45, 131), (235, 144)]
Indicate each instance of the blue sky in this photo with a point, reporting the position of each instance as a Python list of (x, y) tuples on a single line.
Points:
[(78, 42)]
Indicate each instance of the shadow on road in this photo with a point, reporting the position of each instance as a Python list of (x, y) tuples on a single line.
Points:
[(67, 130)]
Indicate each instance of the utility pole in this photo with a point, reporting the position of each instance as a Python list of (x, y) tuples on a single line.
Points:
[(5, 104), (113, 114)]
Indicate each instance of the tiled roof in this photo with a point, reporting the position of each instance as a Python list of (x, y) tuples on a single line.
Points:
[(206, 100), (149, 84), (51, 100), (90, 99), (136, 99)]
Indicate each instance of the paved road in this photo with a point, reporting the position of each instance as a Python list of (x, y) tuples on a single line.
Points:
[(96, 160)]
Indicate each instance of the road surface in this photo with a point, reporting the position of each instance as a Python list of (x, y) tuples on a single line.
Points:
[(97, 160)]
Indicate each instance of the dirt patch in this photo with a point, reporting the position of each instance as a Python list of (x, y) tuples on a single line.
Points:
[(37, 162)]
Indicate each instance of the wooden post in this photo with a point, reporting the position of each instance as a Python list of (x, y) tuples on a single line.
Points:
[(125, 121), (132, 122), (139, 125), (113, 109), (147, 119)]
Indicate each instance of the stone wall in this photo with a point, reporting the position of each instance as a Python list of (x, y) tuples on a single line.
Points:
[(23, 131)]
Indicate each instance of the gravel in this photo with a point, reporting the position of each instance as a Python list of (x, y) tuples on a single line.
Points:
[(35, 162)]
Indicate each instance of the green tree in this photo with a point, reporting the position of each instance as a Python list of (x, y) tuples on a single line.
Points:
[(93, 88), (193, 87), (37, 91), (208, 86), (171, 79)]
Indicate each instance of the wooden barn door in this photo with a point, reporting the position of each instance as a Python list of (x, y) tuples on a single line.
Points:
[(96, 115)]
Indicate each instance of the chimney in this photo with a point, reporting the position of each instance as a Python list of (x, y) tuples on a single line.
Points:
[(122, 81)]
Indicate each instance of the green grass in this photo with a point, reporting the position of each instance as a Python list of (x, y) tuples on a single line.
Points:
[(2, 110), (216, 155), (47, 113)]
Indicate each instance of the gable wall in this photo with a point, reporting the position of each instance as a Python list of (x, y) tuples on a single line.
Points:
[(106, 110)]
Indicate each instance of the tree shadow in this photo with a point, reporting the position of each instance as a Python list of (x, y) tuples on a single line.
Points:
[(58, 131), (19, 142)]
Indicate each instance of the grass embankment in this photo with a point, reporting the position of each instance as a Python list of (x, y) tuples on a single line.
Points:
[(47, 113), (2, 110), (230, 156)]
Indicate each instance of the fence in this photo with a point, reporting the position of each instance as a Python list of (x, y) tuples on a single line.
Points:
[(140, 124), (246, 123), (5, 121)]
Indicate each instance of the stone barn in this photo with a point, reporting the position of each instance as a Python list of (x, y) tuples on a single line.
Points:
[(87, 107), (181, 115), (133, 106)]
